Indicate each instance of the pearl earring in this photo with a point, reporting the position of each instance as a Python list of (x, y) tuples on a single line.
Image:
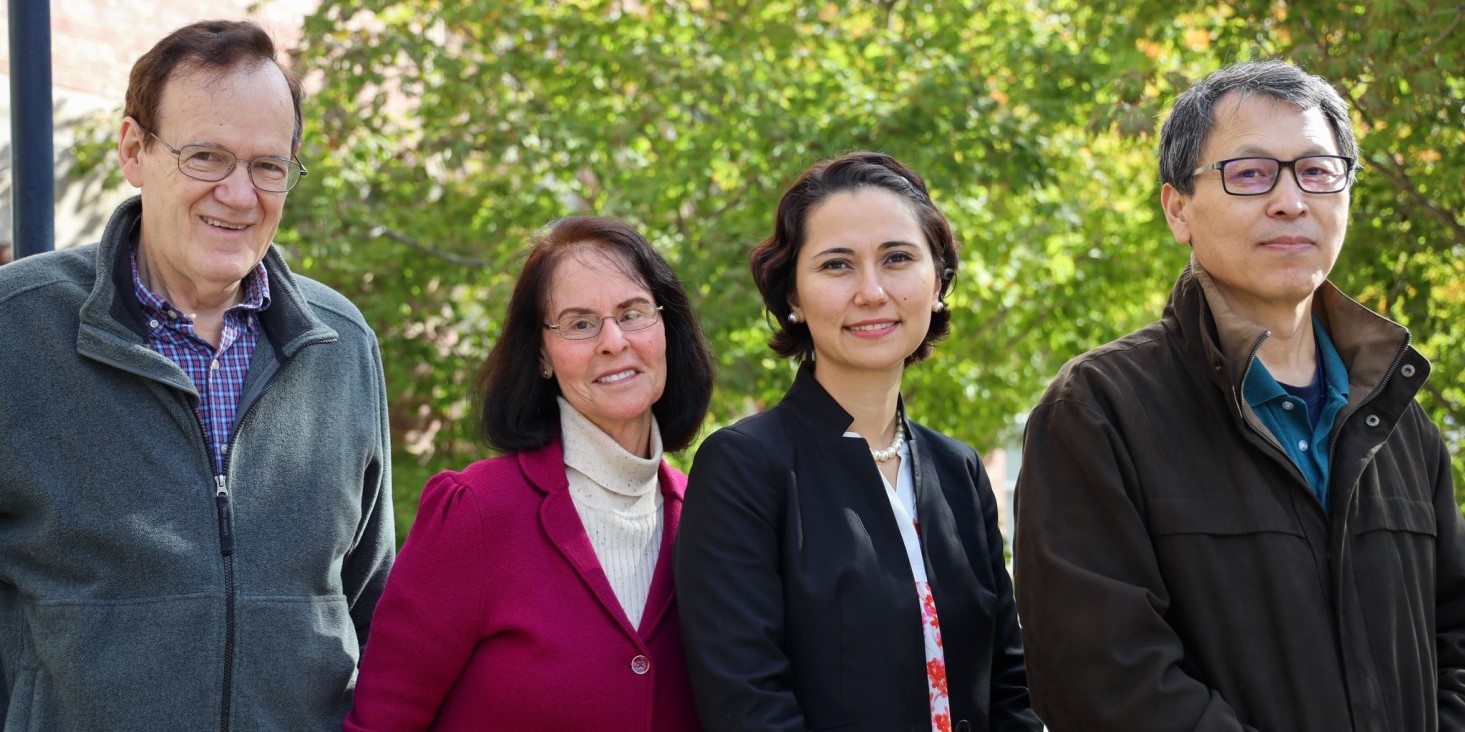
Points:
[(794, 319), (938, 306), (545, 372)]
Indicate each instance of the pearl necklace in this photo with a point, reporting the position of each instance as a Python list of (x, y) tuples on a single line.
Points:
[(889, 453)]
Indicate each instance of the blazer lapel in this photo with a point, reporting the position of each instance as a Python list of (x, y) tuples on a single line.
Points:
[(849, 470), (946, 560), (661, 598), (546, 470)]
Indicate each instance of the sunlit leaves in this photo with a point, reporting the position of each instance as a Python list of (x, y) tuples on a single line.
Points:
[(441, 134)]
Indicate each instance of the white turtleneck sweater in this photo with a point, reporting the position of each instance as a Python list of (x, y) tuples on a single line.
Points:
[(618, 497)]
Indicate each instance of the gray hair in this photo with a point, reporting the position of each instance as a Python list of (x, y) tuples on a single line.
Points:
[(1190, 121)]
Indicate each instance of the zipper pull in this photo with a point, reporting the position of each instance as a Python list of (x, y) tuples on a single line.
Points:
[(226, 524)]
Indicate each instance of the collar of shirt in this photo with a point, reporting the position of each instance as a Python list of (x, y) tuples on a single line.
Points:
[(1286, 415), (256, 286), (1261, 387)]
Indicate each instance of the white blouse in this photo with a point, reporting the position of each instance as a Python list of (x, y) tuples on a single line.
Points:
[(902, 498)]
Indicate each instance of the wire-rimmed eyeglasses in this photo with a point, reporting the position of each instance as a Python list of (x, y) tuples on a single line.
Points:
[(212, 164), (1258, 176), (583, 326)]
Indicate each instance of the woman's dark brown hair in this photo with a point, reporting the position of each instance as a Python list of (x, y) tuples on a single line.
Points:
[(773, 260), (517, 409)]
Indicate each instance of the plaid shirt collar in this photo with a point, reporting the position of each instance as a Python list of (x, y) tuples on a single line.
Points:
[(218, 373), (256, 286)]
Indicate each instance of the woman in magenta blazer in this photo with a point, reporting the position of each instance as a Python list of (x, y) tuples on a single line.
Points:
[(535, 589)]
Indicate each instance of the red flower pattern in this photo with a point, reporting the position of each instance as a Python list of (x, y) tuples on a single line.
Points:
[(935, 656), (935, 661), (936, 675)]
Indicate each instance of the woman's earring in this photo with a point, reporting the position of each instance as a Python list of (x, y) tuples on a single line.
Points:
[(794, 319), (938, 306), (545, 372)]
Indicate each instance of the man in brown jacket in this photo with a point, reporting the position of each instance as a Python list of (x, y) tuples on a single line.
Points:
[(1237, 517)]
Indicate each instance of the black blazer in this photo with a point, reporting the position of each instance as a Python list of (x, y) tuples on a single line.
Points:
[(798, 607)]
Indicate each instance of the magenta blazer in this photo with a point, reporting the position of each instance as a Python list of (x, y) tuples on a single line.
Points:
[(498, 616)]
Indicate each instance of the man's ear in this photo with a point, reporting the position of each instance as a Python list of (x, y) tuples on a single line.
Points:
[(130, 146), (1174, 203)]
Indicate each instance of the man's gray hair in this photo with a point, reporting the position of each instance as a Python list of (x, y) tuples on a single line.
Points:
[(1191, 120)]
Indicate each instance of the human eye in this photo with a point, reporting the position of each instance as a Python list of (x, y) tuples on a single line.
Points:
[(203, 158), (579, 324), (631, 315), (1321, 168), (1250, 169), (273, 168), (834, 265), (900, 256)]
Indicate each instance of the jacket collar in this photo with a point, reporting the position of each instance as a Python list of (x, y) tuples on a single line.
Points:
[(545, 470), (846, 462), (811, 404), (1223, 342), (113, 326)]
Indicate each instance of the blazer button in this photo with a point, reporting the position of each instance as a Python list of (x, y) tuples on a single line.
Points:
[(963, 726), (640, 665)]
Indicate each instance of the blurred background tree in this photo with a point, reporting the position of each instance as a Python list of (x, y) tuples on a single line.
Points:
[(442, 134)]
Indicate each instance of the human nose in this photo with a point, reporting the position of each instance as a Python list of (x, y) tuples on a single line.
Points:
[(611, 338), (236, 189), (1287, 199), (872, 290)]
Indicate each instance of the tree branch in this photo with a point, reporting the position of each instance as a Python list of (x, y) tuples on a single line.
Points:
[(1391, 169), (1394, 173), (1459, 13), (379, 231)]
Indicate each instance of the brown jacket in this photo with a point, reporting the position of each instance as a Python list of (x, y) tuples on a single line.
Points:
[(1175, 572)]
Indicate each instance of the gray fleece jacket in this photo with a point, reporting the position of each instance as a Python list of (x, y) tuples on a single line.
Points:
[(139, 590)]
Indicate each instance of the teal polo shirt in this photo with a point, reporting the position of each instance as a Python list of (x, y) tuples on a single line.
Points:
[(1286, 415)]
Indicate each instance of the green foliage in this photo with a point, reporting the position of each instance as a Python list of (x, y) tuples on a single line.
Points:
[(441, 134), (445, 133)]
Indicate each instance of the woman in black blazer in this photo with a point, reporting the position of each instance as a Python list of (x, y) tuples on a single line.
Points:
[(839, 566)]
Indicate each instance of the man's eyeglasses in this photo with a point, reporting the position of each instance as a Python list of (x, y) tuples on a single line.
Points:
[(583, 326), (1256, 176), (213, 164)]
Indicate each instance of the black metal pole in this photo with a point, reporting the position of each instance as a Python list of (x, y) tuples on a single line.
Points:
[(33, 170)]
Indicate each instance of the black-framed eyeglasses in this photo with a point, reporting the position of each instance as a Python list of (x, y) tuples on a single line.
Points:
[(212, 164), (583, 326), (1258, 176)]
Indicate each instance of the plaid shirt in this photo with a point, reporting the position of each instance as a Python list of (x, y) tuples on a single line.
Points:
[(218, 375)]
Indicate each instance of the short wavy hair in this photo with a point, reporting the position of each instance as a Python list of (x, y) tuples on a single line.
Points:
[(1185, 131), (773, 260), (516, 405), (216, 47)]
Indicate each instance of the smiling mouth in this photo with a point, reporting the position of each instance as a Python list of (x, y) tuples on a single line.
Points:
[(1289, 241), (223, 225), (616, 377), (871, 327)]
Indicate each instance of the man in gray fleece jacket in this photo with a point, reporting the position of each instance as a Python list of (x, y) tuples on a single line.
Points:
[(195, 508)]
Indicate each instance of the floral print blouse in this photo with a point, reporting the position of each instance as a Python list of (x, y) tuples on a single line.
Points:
[(902, 497)]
